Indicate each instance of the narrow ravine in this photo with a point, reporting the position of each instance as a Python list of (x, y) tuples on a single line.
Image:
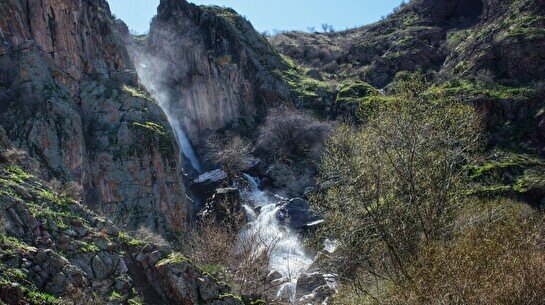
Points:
[(284, 247)]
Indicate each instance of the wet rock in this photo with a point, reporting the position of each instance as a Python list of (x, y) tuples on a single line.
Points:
[(206, 183), (297, 215), (242, 79), (314, 288), (69, 106), (225, 207)]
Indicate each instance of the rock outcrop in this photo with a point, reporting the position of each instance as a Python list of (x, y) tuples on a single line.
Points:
[(69, 95)]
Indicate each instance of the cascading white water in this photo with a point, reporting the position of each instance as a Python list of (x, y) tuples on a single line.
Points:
[(285, 248), (185, 145)]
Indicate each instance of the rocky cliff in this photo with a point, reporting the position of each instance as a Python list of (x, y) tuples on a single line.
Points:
[(70, 96), (214, 66)]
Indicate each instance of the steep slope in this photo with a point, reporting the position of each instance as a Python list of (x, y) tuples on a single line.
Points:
[(53, 250), (69, 95)]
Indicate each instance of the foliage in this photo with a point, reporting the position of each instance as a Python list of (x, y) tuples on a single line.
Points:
[(495, 257), (138, 92), (395, 184), (242, 264), (353, 92), (309, 91), (148, 236)]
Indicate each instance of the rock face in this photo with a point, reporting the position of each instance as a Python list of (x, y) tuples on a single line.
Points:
[(215, 66), (52, 249), (69, 95), (315, 288)]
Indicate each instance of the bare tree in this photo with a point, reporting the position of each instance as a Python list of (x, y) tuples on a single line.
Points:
[(148, 236), (288, 133), (327, 28), (241, 261), (397, 180), (231, 152)]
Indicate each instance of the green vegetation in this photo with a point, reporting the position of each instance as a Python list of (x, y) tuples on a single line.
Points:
[(310, 92), (418, 217), (116, 296), (472, 89), (138, 92), (126, 239), (36, 297), (149, 135), (172, 259), (507, 172), (152, 127), (228, 296), (354, 92), (212, 269)]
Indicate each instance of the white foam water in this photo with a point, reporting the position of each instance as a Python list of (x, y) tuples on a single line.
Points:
[(287, 254), (185, 145)]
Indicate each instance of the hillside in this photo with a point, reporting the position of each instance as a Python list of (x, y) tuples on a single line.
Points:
[(454, 38), (203, 163)]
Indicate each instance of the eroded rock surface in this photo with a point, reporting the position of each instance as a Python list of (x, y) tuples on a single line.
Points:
[(69, 95), (53, 249)]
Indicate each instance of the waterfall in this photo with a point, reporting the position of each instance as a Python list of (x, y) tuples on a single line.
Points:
[(185, 144), (151, 79), (287, 254)]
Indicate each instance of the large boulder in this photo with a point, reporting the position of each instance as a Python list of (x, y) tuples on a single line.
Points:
[(205, 184), (296, 214), (315, 288), (225, 207)]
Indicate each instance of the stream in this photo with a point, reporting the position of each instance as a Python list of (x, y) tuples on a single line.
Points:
[(287, 254)]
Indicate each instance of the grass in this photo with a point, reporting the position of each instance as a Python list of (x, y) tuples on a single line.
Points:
[(354, 91), (506, 172), (473, 89), (308, 91), (173, 259), (138, 92)]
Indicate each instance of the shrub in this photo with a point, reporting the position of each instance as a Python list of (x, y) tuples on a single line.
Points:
[(231, 152), (242, 263), (70, 190), (147, 235), (291, 133), (495, 257), (396, 183)]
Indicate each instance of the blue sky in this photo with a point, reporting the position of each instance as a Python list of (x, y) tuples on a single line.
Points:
[(268, 15)]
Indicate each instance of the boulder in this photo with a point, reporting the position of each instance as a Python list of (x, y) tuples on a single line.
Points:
[(314, 288), (205, 184), (225, 207), (296, 214)]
